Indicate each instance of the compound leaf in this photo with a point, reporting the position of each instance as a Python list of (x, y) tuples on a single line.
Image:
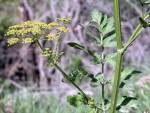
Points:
[(105, 26)]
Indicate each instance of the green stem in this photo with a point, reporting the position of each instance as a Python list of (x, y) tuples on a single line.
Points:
[(119, 58), (133, 37), (103, 98), (66, 76), (118, 24), (102, 71), (38, 43), (120, 52), (116, 82), (135, 33)]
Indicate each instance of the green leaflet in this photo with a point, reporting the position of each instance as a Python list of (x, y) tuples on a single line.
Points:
[(147, 2), (125, 101), (79, 99), (80, 47), (76, 100), (76, 46), (96, 57), (127, 73), (95, 81), (110, 59), (96, 16), (144, 2)]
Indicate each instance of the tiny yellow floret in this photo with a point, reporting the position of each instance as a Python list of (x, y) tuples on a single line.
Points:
[(53, 24), (28, 40), (12, 41), (63, 29), (46, 52), (53, 36)]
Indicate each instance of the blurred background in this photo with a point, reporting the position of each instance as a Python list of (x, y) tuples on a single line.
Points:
[(27, 85)]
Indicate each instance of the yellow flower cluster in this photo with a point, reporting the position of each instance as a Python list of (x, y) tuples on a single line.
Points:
[(35, 30), (53, 36), (63, 29), (27, 28), (53, 24), (13, 41)]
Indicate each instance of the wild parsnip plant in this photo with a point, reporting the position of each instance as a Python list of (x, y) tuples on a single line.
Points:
[(109, 35)]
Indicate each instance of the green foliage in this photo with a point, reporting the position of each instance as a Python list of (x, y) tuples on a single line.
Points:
[(34, 102), (144, 23), (106, 34), (77, 46), (76, 100), (96, 57), (125, 101), (105, 27), (5, 22), (126, 74), (81, 47), (104, 38), (79, 100), (143, 103), (110, 59), (77, 73), (144, 2), (139, 92), (98, 80), (6, 87), (5, 1)]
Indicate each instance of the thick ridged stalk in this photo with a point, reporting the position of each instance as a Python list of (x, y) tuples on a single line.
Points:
[(119, 58), (118, 24), (116, 82)]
